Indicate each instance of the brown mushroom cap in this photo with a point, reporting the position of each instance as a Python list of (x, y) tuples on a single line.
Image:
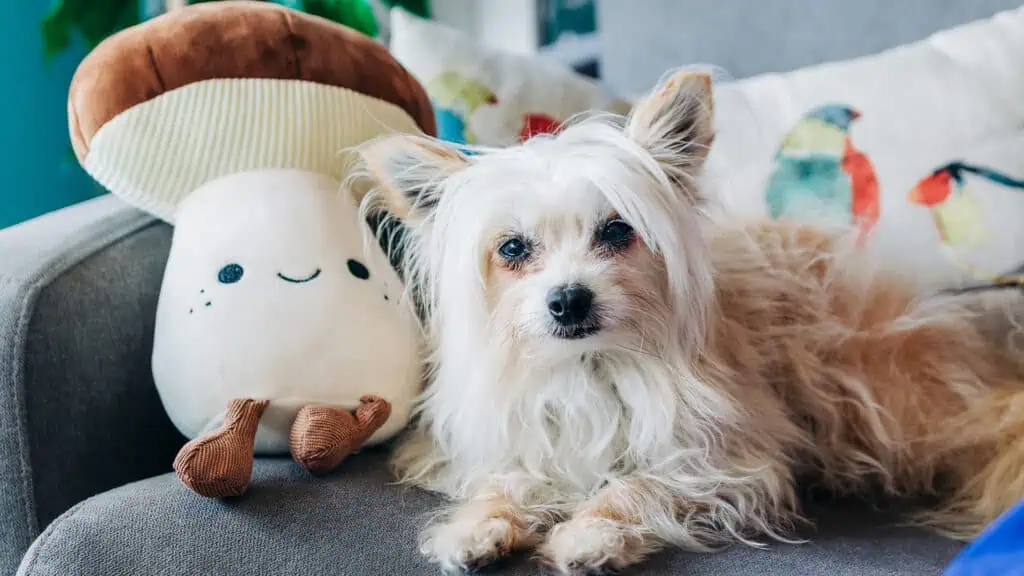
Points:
[(232, 39)]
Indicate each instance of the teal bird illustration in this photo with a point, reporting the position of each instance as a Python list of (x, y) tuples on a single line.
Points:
[(820, 175), (456, 97)]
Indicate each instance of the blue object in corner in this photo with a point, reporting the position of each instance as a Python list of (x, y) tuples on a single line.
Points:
[(997, 551), (451, 127)]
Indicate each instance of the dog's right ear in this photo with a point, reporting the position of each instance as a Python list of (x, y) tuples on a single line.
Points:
[(675, 124), (408, 173)]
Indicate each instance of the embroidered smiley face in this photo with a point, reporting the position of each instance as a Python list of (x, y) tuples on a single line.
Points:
[(233, 273)]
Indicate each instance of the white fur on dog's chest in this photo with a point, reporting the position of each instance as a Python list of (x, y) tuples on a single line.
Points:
[(570, 428)]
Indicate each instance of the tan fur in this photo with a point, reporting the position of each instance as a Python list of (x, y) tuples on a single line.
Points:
[(484, 530), (734, 358), (605, 532), (848, 376), (888, 389)]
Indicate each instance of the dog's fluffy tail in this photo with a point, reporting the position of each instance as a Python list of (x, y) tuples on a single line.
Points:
[(981, 451), (1000, 320), (984, 454)]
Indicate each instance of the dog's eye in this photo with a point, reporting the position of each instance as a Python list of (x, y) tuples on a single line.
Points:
[(615, 235), (514, 249)]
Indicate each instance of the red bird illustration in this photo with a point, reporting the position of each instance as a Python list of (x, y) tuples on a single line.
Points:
[(820, 175), (960, 218), (864, 185), (537, 123)]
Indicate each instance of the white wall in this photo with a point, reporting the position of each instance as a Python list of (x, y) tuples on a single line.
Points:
[(458, 13), (504, 24)]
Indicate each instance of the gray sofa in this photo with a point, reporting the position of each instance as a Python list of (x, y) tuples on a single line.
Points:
[(85, 446)]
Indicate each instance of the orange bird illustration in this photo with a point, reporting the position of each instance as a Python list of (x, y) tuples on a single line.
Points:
[(820, 174), (864, 184)]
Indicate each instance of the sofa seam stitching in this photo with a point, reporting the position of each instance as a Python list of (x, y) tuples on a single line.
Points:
[(58, 263), (45, 537)]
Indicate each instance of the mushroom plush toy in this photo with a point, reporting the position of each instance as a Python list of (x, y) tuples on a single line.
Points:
[(281, 326)]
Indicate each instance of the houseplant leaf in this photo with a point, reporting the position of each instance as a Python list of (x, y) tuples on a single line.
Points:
[(356, 14), (420, 8), (93, 19)]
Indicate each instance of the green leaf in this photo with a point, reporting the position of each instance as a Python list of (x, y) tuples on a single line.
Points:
[(104, 18), (56, 31), (356, 14), (94, 20), (299, 5), (420, 8)]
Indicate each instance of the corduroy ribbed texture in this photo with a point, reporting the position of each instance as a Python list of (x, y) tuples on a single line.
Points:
[(322, 436), (156, 153), (219, 464)]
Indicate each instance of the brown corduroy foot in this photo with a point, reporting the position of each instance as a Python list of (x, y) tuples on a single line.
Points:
[(322, 436), (219, 464)]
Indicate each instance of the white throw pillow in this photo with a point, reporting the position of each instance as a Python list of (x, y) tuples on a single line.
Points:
[(486, 96), (789, 143)]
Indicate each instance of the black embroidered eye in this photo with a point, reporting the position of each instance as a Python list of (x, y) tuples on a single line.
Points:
[(615, 235), (357, 269), (514, 250), (230, 274)]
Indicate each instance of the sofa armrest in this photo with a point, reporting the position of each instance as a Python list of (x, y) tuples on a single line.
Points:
[(79, 413)]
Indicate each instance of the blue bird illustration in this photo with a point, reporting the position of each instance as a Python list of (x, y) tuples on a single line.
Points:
[(820, 175)]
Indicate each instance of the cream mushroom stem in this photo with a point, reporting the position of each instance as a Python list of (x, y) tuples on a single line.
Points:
[(171, 5)]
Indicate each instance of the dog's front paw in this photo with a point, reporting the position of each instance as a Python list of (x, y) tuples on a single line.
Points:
[(593, 545), (470, 544)]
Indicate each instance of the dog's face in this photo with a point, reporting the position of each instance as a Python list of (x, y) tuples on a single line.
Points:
[(567, 276), (562, 268), (584, 241)]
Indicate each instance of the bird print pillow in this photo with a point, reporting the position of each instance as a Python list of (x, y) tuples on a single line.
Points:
[(488, 97), (919, 151), (820, 174)]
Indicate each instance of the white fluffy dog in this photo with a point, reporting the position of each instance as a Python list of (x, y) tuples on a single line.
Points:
[(612, 371)]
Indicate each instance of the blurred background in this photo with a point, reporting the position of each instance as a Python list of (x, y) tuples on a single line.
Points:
[(624, 43), (44, 41), (36, 150)]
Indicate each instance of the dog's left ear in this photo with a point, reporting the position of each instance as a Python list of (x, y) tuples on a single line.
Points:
[(408, 173), (675, 123)]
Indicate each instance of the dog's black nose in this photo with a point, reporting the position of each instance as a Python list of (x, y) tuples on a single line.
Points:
[(570, 304)]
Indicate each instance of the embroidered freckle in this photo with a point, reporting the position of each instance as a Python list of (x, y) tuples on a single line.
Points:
[(358, 270), (230, 273)]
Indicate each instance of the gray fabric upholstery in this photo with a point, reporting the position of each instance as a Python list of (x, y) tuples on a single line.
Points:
[(78, 410), (641, 39), (354, 522), (79, 413)]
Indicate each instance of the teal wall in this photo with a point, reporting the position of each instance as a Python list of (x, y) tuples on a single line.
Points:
[(37, 174)]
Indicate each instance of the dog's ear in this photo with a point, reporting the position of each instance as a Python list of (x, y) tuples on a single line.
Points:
[(408, 173), (675, 123)]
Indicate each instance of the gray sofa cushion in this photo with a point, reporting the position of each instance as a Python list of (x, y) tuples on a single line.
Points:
[(355, 522), (78, 410)]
